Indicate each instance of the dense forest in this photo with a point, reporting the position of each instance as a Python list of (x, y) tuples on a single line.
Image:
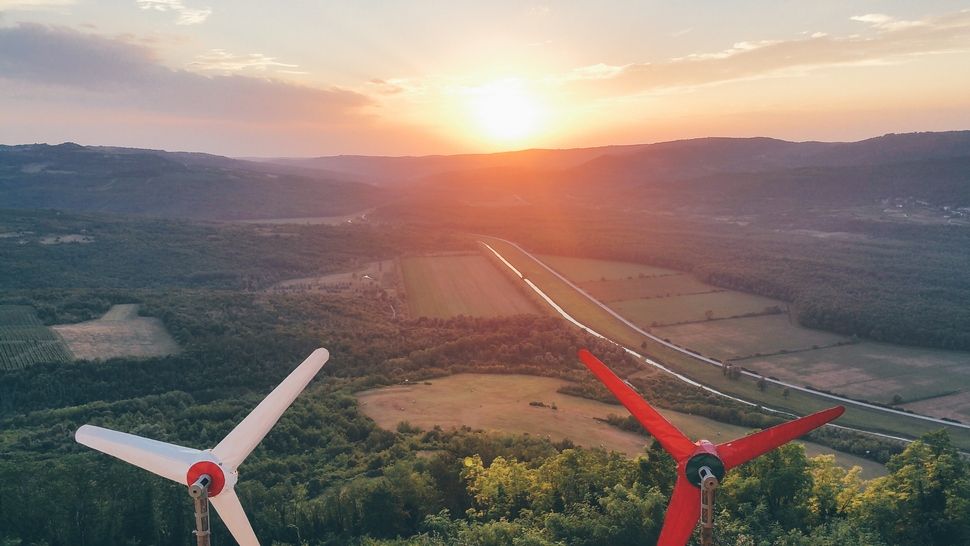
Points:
[(328, 475), (125, 252)]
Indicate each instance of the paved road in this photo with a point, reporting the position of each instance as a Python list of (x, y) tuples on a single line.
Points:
[(651, 362)]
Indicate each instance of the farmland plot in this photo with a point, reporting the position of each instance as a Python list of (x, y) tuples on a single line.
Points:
[(504, 403), (24, 340), (470, 285), (119, 333)]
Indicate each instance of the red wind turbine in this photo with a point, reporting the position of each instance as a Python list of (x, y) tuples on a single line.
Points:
[(700, 465)]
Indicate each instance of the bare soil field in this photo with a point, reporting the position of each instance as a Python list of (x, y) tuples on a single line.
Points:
[(935, 382), (694, 308), (501, 403), (743, 337), (581, 270), (119, 333), (373, 275), (645, 287), (470, 285)]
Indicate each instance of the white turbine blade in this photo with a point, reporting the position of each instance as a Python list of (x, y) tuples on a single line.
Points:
[(234, 448), (233, 515), (167, 460)]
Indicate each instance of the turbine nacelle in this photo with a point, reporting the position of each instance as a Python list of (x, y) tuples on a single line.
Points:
[(704, 457)]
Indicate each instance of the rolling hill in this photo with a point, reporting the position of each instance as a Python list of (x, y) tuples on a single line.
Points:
[(181, 185)]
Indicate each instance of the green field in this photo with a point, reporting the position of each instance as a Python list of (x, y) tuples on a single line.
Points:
[(877, 371), (744, 337), (469, 285), (24, 340), (644, 287), (501, 402), (583, 269), (933, 382), (693, 308), (797, 402)]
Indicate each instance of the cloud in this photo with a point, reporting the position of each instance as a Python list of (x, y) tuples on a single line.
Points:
[(893, 41), (186, 15), (33, 4), (224, 62), (884, 22), (62, 64)]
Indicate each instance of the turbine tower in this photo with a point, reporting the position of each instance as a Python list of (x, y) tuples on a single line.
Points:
[(700, 465), (210, 474)]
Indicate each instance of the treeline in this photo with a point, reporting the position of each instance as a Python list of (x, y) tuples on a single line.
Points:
[(139, 253)]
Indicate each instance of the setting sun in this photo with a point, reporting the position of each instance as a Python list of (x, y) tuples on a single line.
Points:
[(504, 111)]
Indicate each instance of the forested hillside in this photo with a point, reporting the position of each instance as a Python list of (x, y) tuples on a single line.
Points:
[(117, 251), (155, 183)]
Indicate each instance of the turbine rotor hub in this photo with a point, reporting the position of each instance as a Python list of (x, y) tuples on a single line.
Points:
[(203, 468), (702, 465)]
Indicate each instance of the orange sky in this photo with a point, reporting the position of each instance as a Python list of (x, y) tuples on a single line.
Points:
[(422, 78)]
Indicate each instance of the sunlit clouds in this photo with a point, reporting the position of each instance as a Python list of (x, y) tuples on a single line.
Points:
[(392, 78), (223, 62), (184, 14)]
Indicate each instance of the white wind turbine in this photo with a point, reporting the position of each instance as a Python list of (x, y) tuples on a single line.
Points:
[(212, 473)]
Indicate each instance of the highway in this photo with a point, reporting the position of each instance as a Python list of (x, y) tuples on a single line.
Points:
[(705, 360)]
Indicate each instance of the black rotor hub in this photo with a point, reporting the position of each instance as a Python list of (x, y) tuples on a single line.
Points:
[(694, 464)]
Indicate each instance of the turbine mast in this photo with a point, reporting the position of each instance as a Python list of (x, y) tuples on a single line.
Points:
[(199, 491), (709, 486)]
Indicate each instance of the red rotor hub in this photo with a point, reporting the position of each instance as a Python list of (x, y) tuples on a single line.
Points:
[(213, 470)]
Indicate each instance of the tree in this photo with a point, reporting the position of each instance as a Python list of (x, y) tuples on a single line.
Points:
[(926, 498)]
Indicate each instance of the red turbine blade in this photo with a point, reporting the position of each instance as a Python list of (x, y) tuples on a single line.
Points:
[(682, 513), (744, 449), (669, 437)]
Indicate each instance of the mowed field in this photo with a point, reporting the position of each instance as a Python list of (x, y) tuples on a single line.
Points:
[(935, 382), (119, 333), (469, 285), (659, 286), (745, 337), (931, 382), (582, 270), (802, 403), (653, 312), (501, 403), (24, 340)]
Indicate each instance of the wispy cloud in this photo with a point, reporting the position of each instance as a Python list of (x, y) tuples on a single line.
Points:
[(223, 62), (884, 22), (34, 4), (186, 15), (59, 63), (893, 40)]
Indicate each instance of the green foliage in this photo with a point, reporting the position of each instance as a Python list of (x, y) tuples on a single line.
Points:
[(327, 475), (151, 253), (926, 498)]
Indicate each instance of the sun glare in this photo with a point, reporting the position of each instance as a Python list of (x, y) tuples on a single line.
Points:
[(504, 111)]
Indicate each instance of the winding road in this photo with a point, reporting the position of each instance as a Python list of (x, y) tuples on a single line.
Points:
[(681, 350)]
